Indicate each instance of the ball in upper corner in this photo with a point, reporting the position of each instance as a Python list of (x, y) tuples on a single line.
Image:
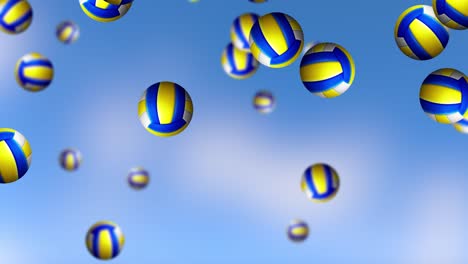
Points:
[(419, 34), (34, 72), (264, 102), (67, 32), (15, 155), (70, 159), (15, 16), (104, 10), (452, 13), (327, 70), (276, 40), (298, 230), (138, 178), (165, 109), (240, 30), (320, 182), (444, 96), (238, 64), (105, 240)]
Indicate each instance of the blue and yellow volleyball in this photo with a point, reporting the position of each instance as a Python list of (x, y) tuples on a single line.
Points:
[(276, 40), (165, 109), (240, 30), (138, 178), (452, 13), (15, 155), (419, 34), (298, 231), (67, 32), (105, 240), (34, 72), (320, 182), (70, 159), (264, 102), (327, 70), (238, 64), (104, 10), (15, 16), (444, 95)]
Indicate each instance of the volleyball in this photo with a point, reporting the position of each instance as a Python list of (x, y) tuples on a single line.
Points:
[(70, 159), (138, 178), (320, 182), (15, 155), (452, 13), (67, 32), (104, 10), (276, 40), (264, 102), (165, 109), (298, 231), (105, 240), (238, 64), (15, 16), (240, 30), (34, 72)]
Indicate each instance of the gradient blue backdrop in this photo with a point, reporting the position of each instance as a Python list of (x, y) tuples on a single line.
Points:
[(225, 189)]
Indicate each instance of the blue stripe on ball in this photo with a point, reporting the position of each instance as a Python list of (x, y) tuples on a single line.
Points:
[(416, 48), (310, 184), (6, 135), (238, 30), (406, 21), (95, 243), (261, 41), (7, 7), (318, 57), (115, 244), (455, 15), (179, 104), (409, 38), (151, 101), (20, 158), (345, 64), (109, 12), (438, 108), (286, 29), (323, 85), (167, 128), (290, 53), (329, 177), (444, 81), (437, 28)]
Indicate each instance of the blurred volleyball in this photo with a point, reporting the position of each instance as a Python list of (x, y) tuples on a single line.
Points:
[(70, 159), (105, 240), (452, 13), (320, 182), (138, 178), (327, 70), (258, 1), (165, 109), (419, 34), (15, 16), (67, 32), (15, 155), (238, 64), (276, 40), (34, 72), (443, 95), (264, 102), (298, 231), (104, 10), (240, 30), (309, 45)]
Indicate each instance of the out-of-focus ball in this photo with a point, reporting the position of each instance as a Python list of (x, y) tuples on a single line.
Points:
[(419, 34), (276, 40), (240, 30), (238, 64), (105, 240), (34, 72), (444, 95), (327, 70), (452, 13), (309, 45), (103, 10), (70, 159), (264, 102), (15, 16), (67, 32), (298, 231), (320, 182), (138, 178), (15, 155), (165, 109)]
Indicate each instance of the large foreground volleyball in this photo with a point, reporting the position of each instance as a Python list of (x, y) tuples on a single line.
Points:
[(165, 109), (15, 16), (15, 155)]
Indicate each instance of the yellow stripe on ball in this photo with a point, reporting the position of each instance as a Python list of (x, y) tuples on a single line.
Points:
[(8, 169), (166, 102)]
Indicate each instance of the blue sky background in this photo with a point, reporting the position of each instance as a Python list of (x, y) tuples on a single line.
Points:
[(226, 188)]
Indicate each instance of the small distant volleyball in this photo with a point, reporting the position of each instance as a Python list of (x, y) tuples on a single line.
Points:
[(34, 72), (327, 70), (105, 240), (138, 178), (165, 109), (320, 182), (240, 30), (419, 34), (258, 1), (15, 155), (104, 10), (298, 231), (443, 95), (462, 126), (452, 13), (67, 32), (238, 64), (264, 102), (70, 159), (15, 16), (276, 40)]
